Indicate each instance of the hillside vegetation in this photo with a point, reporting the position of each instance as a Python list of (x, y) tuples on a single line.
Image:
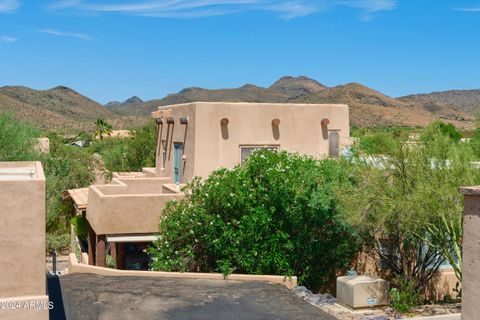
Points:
[(58, 108), (63, 108)]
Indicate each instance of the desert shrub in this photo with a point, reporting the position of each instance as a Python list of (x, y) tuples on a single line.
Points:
[(80, 225), (377, 143), (440, 128), (405, 297), (66, 167), (17, 139), (129, 154), (59, 242), (409, 208), (275, 214), (111, 263)]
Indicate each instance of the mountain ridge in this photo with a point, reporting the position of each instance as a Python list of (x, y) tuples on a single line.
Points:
[(62, 107)]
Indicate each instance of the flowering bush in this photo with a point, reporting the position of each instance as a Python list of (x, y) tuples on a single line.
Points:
[(274, 214)]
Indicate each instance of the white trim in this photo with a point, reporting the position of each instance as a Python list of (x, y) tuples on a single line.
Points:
[(132, 238)]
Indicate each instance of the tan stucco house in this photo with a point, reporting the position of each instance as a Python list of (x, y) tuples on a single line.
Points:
[(193, 140)]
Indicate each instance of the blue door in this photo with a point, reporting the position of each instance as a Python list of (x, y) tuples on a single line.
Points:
[(177, 158)]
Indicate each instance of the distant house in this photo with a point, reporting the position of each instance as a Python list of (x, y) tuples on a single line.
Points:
[(79, 143), (120, 134)]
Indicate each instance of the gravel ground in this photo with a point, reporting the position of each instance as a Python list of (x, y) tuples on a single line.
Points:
[(62, 264), (327, 303)]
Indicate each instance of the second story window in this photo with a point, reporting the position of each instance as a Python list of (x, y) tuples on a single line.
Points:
[(245, 151)]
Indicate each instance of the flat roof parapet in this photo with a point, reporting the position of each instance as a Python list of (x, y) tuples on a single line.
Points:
[(21, 171)]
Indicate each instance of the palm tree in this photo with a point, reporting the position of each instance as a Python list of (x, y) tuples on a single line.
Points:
[(102, 128)]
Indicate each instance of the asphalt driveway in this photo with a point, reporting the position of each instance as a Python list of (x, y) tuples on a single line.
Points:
[(89, 297)]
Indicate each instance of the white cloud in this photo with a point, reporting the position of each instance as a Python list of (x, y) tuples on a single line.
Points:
[(201, 8), (370, 7), (7, 39), (52, 32), (471, 9), (7, 6)]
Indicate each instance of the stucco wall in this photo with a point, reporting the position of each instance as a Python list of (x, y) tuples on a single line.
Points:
[(208, 145), (75, 267), (125, 213), (22, 239), (471, 257), (145, 185), (180, 133), (22, 233)]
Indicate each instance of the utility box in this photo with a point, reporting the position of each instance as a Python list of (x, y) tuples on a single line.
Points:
[(362, 291), (22, 239)]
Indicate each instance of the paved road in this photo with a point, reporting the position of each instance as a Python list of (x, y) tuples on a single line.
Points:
[(89, 297)]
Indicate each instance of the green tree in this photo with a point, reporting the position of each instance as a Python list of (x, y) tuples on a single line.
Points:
[(102, 128), (129, 154), (440, 128), (408, 207), (17, 139), (275, 214)]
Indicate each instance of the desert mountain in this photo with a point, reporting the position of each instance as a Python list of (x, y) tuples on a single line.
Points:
[(372, 108), (367, 106), (57, 108), (466, 100), (62, 107)]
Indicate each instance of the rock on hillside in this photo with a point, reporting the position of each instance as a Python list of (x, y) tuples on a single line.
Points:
[(465, 100)]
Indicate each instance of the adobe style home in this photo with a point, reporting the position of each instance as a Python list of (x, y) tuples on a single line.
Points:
[(193, 140)]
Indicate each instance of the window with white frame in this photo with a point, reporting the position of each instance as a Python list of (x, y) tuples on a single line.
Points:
[(245, 151)]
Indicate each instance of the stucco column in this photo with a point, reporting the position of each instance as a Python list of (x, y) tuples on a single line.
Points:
[(100, 256), (120, 256), (471, 254), (92, 239)]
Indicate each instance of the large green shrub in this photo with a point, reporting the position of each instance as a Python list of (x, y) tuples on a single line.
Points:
[(275, 214)]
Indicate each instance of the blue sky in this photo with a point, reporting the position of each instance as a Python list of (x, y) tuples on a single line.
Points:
[(114, 49)]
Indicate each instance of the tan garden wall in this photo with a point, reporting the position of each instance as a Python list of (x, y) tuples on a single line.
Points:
[(126, 213), (76, 267)]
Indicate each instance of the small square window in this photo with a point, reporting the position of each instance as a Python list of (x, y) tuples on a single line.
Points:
[(245, 151)]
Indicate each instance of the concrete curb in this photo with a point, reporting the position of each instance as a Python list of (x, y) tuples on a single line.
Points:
[(453, 316), (75, 267)]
